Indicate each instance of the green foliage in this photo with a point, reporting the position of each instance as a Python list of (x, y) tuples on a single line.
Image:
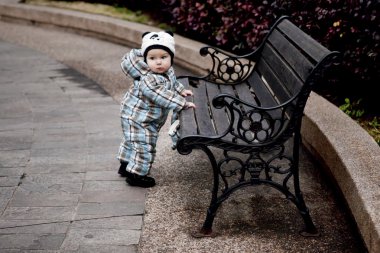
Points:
[(372, 127), (375, 123), (352, 109)]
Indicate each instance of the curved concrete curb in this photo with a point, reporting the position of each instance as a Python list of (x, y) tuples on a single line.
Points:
[(107, 28), (349, 153), (352, 157)]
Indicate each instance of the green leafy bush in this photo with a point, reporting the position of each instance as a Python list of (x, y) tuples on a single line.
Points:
[(352, 108)]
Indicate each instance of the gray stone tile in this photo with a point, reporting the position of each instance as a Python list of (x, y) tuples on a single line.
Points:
[(110, 196), (5, 196), (39, 213), (32, 227), (60, 143), (94, 127), (9, 88), (41, 89), (31, 241), (59, 152), (9, 181), (112, 165), (104, 177), (105, 248), (123, 222), (59, 125), (101, 158), (101, 140), (54, 133), (97, 100), (58, 160), (96, 210), (92, 112), (18, 139), (51, 187), (76, 92), (54, 179), (11, 171), (57, 116), (14, 158), (114, 188), (55, 169), (114, 237), (25, 198), (13, 108), (15, 123)]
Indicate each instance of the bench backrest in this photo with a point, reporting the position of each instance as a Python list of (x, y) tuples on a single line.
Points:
[(259, 98), (289, 60), (287, 64)]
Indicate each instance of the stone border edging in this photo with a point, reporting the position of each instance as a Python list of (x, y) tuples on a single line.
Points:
[(115, 30), (350, 154)]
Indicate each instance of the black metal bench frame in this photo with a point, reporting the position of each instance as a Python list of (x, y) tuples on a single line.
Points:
[(250, 108)]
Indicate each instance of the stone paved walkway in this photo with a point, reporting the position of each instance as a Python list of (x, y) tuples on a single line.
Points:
[(59, 133)]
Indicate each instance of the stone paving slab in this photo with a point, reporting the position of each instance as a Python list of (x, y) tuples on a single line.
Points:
[(59, 187)]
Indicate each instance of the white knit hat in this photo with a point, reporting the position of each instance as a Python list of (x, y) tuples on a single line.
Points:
[(162, 40)]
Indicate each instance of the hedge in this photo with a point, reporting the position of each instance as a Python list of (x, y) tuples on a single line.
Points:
[(349, 26)]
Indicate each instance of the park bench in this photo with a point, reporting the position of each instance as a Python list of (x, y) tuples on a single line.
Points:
[(249, 114)]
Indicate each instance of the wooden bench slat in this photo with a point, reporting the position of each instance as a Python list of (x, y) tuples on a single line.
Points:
[(280, 77), (261, 90), (202, 112), (315, 50), (184, 82), (219, 116), (231, 90), (244, 93), (187, 117), (273, 82), (264, 95), (298, 61)]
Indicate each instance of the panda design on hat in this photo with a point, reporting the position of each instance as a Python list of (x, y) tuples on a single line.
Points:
[(158, 40)]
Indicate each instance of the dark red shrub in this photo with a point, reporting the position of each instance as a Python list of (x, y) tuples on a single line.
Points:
[(348, 26)]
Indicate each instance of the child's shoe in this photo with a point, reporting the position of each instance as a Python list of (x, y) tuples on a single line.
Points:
[(141, 181), (122, 170)]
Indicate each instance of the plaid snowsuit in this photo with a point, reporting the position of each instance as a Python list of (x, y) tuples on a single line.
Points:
[(144, 110)]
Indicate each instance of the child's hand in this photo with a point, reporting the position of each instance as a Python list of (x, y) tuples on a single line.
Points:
[(186, 93), (190, 105)]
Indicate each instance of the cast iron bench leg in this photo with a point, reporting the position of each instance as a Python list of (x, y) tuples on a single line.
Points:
[(206, 230), (310, 229)]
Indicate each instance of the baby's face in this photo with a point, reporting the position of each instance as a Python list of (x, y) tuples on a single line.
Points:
[(158, 60)]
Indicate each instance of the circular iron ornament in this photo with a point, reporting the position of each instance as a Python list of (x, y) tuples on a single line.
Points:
[(226, 68), (256, 126), (231, 70)]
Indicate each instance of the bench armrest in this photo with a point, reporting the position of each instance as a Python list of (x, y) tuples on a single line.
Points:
[(257, 125)]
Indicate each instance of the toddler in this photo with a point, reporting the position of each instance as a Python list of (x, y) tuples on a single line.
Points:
[(145, 107)]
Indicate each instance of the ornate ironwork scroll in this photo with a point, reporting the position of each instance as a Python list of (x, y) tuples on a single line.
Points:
[(226, 68)]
